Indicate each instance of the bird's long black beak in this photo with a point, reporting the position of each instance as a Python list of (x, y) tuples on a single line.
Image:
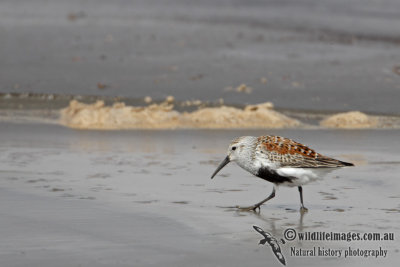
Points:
[(221, 165)]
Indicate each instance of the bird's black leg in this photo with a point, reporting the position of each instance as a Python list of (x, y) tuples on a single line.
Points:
[(302, 208), (257, 206)]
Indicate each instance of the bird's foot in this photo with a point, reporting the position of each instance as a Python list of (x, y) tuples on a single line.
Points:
[(249, 208), (303, 209)]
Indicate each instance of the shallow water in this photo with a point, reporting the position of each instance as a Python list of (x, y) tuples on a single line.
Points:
[(145, 198)]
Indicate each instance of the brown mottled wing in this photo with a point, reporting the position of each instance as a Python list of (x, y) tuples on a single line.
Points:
[(288, 153)]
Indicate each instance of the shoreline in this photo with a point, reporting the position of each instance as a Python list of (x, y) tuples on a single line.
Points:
[(119, 113)]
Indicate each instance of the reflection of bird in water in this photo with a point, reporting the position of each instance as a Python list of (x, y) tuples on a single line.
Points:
[(273, 242), (280, 161), (276, 230)]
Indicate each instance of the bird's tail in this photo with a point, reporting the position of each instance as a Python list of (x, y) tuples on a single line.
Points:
[(346, 163)]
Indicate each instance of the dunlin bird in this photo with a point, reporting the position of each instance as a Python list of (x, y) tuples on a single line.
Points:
[(280, 161)]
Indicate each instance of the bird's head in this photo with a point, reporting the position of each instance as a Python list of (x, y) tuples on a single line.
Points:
[(238, 150)]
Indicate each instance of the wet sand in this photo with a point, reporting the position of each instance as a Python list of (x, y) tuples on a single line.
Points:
[(145, 198)]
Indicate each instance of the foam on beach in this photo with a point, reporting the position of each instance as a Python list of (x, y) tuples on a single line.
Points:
[(163, 116), (350, 120)]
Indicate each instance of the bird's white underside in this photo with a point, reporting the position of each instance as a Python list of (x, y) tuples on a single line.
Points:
[(303, 176)]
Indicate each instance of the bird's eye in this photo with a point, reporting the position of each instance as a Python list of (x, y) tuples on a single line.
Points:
[(233, 148)]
